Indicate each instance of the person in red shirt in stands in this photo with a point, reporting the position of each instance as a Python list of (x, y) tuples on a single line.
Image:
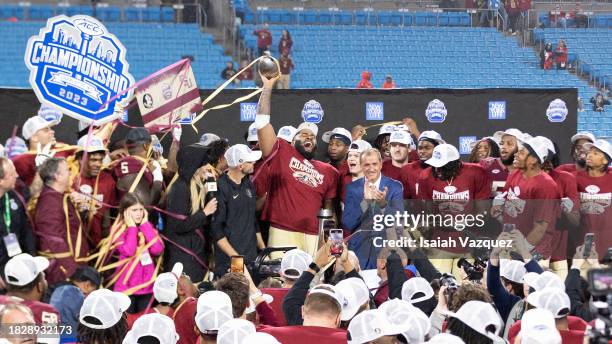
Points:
[(530, 198), (93, 179), (264, 39), (409, 174), (400, 143), (365, 80), (499, 168), (579, 152), (389, 83), (286, 66), (561, 55), (595, 190), (26, 284), (285, 43), (299, 185)]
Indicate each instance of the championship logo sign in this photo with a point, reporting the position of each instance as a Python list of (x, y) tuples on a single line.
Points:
[(79, 67), (312, 112), (168, 95), (557, 111), (436, 111)]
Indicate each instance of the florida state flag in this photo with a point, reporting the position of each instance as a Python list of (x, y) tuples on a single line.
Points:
[(168, 96)]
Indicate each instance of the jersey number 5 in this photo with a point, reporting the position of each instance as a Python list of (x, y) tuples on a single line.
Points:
[(124, 168)]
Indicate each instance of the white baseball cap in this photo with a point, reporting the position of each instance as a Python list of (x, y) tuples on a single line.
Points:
[(551, 299), (479, 316), (15, 146), (359, 146), (106, 306), (443, 154), (34, 124), (84, 125), (602, 145), (445, 338), (23, 269), (213, 310), (353, 293), (386, 129), (50, 113), (401, 137), (512, 270), (402, 127), (260, 338), (431, 135), (91, 143), (252, 136), (294, 262), (165, 288), (329, 290), (286, 133), (339, 133), (497, 136), (538, 327), (239, 154), (536, 146), (152, 325), (416, 290), (583, 135), (234, 331), (208, 138), (368, 326), (549, 144), (308, 126), (406, 319), (546, 279)]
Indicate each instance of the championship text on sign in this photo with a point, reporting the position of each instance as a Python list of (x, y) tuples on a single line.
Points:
[(168, 95), (77, 66)]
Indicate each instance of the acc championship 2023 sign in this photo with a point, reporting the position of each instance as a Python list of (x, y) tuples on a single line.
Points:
[(77, 66)]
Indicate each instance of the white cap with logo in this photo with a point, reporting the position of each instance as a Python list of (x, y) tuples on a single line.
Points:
[(431, 135), (554, 300), (602, 145), (386, 129), (308, 126), (294, 262), (23, 269), (354, 293), (208, 138), (401, 137), (536, 145), (480, 317), (213, 310), (497, 136), (339, 133), (368, 326), (538, 327), (416, 290), (34, 124), (165, 288), (104, 306), (239, 154), (154, 325), (512, 270), (286, 133), (583, 135), (546, 279), (406, 319), (252, 133), (443, 154), (359, 146), (91, 143)]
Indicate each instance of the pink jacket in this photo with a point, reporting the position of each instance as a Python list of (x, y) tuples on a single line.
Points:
[(127, 249)]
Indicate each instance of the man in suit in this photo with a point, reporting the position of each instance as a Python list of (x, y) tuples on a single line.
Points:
[(368, 199)]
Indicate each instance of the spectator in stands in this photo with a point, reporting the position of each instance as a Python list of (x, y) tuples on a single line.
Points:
[(285, 43), (137, 243), (580, 19), (485, 148), (102, 319), (58, 226), (599, 101), (557, 18), (229, 72), (247, 74), (26, 284), (68, 298), (389, 83), (365, 80), (16, 228), (187, 197), (234, 224), (286, 66), (514, 11), (546, 57), (264, 39), (561, 55)]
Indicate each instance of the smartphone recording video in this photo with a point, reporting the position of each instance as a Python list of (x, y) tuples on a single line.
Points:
[(237, 264), (336, 238)]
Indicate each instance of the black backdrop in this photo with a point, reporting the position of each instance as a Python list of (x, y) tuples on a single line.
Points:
[(468, 112)]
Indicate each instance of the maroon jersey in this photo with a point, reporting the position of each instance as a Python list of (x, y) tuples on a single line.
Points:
[(596, 213), (409, 175), (264, 38), (307, 334), (391, 171), (105, 193), (130, 165), (184, 321), (530, 200), (566, 185), (298, 188), (25, 163), (497, 171), (44, 313), (570, 168)]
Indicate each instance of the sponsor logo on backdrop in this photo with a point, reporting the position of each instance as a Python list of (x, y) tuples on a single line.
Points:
[(557, 111), (248, 112), (497, 109), (465, 144), (436, 111), (312, 112), (375, 111), (77, 66)]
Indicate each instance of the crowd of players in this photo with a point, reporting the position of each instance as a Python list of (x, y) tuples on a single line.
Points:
[(114, 242)]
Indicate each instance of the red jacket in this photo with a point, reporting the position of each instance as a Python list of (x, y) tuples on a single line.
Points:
[(264, 38), (365, 80), (573, 335)]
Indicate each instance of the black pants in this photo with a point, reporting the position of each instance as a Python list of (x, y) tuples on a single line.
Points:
[(139, 303)]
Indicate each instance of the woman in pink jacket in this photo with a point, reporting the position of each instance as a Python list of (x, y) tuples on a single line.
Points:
[(139, 246)]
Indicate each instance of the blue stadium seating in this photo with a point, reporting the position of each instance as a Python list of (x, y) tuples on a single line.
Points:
[(106, 14), (595, 21), (143, 56)]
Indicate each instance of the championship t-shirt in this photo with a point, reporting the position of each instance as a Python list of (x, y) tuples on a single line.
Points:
[(25, 164), (497, 171), (531, 200), (596, 212), (566, 184), (570, 168), (104, 194), (408, 176), (307, 334), (44, 313), (298, 189)]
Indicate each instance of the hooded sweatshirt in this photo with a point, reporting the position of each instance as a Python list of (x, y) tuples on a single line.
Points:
[(365, 80)]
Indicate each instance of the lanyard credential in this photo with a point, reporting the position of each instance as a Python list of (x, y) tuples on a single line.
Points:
[(7, 214)]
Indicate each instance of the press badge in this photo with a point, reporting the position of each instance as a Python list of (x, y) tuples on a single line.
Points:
[(145, 258), (12, 245)]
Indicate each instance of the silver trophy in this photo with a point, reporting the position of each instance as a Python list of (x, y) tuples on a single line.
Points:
[(268, 67)]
